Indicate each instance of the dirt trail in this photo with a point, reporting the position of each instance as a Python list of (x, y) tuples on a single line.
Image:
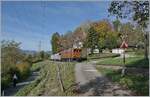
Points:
[(92, 82)]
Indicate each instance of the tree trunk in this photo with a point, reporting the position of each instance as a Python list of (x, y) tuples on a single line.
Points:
[(146, 45)]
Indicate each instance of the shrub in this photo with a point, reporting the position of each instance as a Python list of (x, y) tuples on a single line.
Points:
[(139, 52), (36, 60), (5, 81), (6, 77), (24, 70), (126, 82), (36, 67)]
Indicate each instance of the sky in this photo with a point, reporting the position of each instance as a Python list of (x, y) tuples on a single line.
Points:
[(30, 22)]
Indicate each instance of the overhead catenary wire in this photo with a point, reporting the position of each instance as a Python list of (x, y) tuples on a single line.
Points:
[(43, 21)]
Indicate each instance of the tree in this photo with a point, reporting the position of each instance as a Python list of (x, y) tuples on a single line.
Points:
[(111, 40), (55, 43), (137, 10), (85, 26), (28, 58), (80, 35), (134, 35), (46, 55), (10, 56), (116, 25), (103, 28), (67, 40), (70, 38), (92, 39), (42, 54)]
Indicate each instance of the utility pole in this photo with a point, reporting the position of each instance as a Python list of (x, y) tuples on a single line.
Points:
[(39, 46)]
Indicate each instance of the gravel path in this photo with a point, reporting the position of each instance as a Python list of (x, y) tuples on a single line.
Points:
[(93, 83)]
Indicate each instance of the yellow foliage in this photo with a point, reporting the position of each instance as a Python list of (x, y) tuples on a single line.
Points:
[(23, 66), (102, 27)]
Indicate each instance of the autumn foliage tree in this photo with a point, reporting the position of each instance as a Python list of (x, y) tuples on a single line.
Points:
[(66, 40), (80, 34), (105, 32)]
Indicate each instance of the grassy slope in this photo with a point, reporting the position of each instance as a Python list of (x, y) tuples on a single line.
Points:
[(130, 61), (47, 83), (139, 84), (102, 55)]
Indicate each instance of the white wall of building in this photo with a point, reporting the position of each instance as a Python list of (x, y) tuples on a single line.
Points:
[(56, 57), (96, 51), (117, 51)]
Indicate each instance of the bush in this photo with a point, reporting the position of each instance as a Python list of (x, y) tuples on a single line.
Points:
[(5, 81), (6, 77), (126, 82), (36, 67), (24, 70), (139, 52), (36, 60)]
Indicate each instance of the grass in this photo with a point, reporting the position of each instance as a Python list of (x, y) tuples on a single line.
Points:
[(138, 84), (26, 89), (47, 82), (37, 66), (130, 61), (102, 55)]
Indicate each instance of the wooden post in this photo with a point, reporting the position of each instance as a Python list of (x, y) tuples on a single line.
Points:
[(60, 79), (124, 67), (124, 57)]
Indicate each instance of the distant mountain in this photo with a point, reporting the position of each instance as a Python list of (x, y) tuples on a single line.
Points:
[(49, 52), (34, 52), (29, 52)]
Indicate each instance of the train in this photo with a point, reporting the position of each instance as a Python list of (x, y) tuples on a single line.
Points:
[(72, 54)]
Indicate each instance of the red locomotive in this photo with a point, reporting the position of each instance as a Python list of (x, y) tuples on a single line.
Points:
[(70, 54)]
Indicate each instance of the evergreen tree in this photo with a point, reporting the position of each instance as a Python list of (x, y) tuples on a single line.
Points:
[(55, 43), (92, 39)]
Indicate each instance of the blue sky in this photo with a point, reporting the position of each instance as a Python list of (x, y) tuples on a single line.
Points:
[(30, 22)]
